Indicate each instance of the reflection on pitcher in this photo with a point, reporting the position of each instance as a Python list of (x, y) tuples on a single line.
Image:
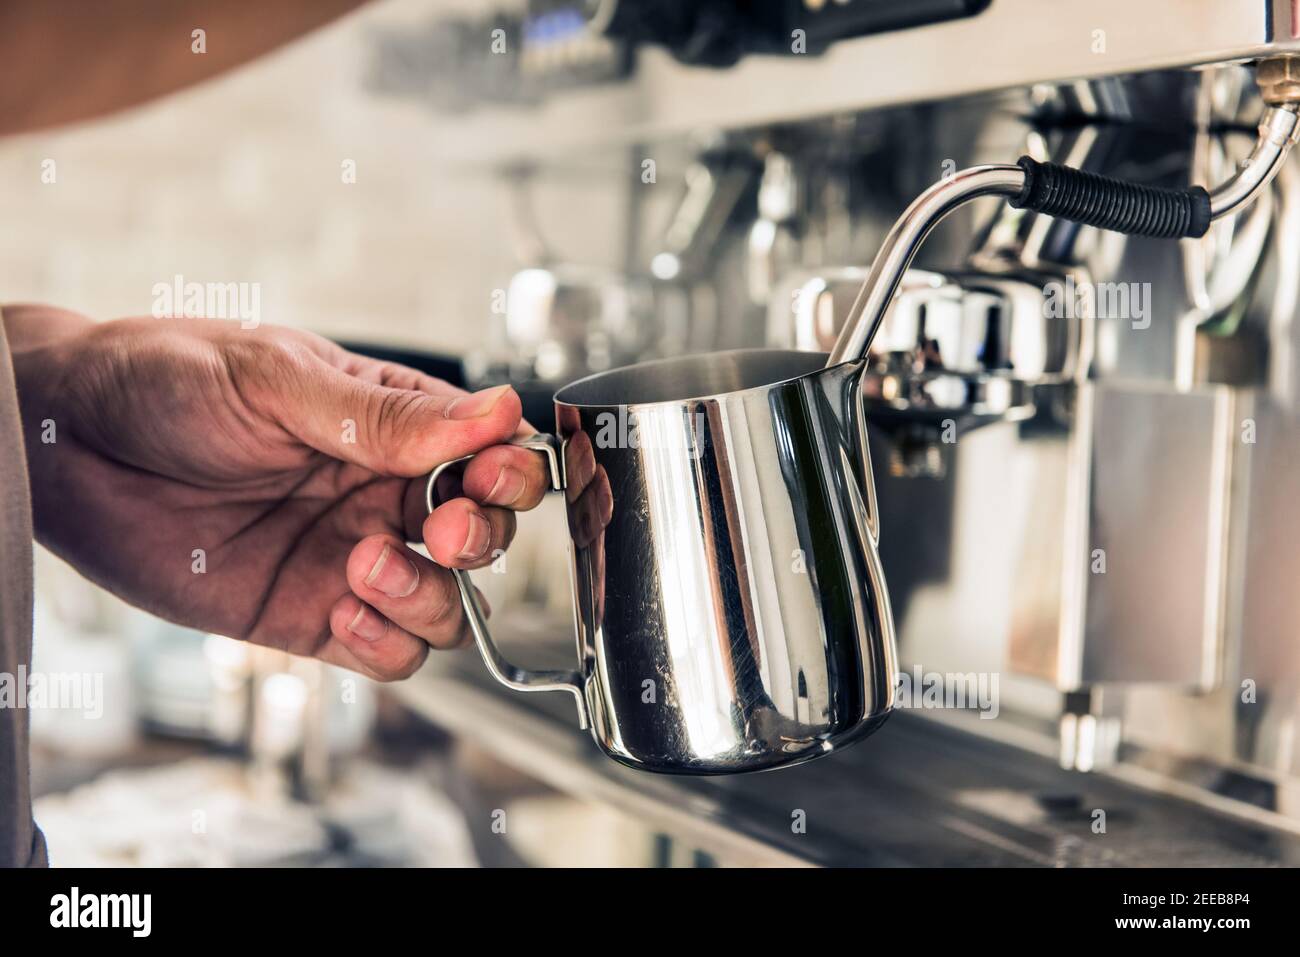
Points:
[(590, 507), (730, 608)]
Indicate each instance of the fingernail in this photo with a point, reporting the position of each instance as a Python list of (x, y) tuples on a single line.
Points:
[(368, 625), (476, 404), (478, 539), (510, 484), (393, 574)]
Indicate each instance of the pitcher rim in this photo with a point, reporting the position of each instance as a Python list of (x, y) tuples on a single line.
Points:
[(557, 399)]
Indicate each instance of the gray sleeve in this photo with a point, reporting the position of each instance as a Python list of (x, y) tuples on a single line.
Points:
[(21, 842)]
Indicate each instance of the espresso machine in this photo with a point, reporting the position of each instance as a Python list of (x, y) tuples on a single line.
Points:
[(1086, 444)]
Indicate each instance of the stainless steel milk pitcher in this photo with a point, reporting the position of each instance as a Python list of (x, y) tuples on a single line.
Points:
[(730, 606)]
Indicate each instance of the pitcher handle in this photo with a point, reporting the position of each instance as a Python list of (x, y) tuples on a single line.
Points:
[(512, 676)]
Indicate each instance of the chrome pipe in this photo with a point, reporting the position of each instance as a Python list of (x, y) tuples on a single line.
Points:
[(1278, 131), (904, 239)]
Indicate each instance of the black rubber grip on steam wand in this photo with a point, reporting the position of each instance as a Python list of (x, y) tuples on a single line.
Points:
[(1112, 204)]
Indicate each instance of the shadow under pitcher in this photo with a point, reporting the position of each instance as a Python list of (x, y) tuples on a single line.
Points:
[(730, 607)]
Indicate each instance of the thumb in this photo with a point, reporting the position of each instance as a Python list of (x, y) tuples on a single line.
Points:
[(402, 432)]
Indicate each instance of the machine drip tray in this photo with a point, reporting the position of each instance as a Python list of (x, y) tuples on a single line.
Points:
[(918, 793)]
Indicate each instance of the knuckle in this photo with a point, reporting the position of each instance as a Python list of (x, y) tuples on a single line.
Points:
[(267, 361), (443, 606), (505, 534), (394, 415), (409, 662)]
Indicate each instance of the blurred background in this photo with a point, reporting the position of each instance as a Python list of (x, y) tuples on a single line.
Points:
[(532, 191), (243, 180)]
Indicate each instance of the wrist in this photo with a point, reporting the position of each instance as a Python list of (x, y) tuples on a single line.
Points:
[(31, 326), (41, 342)]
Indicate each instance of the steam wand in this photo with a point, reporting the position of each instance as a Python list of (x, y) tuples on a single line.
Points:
[(1081, 197)]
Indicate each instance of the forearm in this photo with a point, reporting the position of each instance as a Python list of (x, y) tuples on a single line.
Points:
[(68, 60)]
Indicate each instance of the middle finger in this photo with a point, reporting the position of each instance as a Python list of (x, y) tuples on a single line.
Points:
[(407, 589), (463, 534)]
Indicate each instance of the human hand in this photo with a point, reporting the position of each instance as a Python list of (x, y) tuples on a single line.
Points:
[(262, 483)]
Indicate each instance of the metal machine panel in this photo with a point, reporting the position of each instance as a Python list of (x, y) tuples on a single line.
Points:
[(1158, 495)]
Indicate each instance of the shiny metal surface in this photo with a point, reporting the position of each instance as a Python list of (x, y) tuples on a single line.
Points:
[(982, 323), (1146, 467), (903, 241), (512, 676), (564, 320), (1278, 130), (1151, 484), (1014, 43), (1124, 566), (925, 793), (1158, 473), (968, 346), (987, 549), (730, 606)]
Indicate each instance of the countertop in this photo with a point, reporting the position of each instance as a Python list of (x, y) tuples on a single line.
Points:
[(917, 793)]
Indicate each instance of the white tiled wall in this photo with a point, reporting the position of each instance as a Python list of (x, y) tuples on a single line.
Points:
[(240, 180)]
